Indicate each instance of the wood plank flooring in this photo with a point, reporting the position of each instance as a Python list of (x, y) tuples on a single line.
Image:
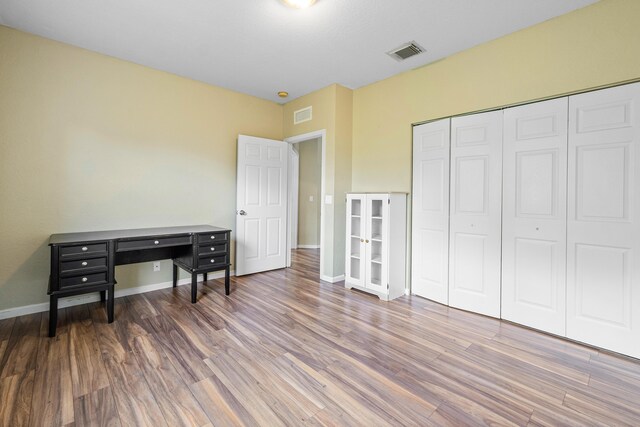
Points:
[(285, 349)]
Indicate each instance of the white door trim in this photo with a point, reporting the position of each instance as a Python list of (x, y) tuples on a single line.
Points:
[(292, 197), (322, 135)]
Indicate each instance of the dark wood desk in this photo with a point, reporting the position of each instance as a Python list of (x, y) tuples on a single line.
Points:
[(85, 262)]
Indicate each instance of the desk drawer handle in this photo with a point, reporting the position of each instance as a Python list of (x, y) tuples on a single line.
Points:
[(85, 249), (84, 279), (213, 249), (156, 242), (213, 237), (84, 263), (213, 261)]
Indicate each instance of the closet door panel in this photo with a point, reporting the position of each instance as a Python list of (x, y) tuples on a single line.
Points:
[(475, 228), (534, 215), (603, 257), (430, 211)]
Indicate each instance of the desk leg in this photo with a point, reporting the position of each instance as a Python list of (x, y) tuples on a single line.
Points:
[(175, 275), (110, 303), (103, 296), (194, 287), (53, 315), (226, 281), (204, 277)]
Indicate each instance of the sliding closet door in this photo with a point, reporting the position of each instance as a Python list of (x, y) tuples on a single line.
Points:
[(475, 225), (534, 249), (430, 211), (603, 236)]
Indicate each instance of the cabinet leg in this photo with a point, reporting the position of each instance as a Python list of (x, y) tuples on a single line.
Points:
[(204, 277), (226, 281), (175, 275), (53, 315), (103, 296), (110, 304), (194, 287)]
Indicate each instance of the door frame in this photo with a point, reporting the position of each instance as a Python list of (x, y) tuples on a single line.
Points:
[(292, 190), (322, 135)]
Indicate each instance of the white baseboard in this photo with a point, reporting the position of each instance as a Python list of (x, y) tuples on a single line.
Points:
[(308, 246), (332, 279), (95, 297)]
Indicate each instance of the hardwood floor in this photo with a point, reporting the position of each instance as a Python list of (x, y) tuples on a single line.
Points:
[(286, 349)]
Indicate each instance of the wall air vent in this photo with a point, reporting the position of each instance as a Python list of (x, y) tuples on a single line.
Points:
[(303, 115), (406, 51)]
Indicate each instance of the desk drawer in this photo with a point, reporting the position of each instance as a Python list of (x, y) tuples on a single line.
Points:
[(78, 266), (90, 249), (212, 261), (85, 280), (212, 237), (210, 250), (151, 242)]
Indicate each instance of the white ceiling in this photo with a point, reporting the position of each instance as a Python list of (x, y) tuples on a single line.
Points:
[(259, 47)]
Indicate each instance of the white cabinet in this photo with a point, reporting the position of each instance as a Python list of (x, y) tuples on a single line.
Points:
[(376, 243)]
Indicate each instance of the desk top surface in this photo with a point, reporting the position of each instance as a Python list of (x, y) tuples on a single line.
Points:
[(90, 236)]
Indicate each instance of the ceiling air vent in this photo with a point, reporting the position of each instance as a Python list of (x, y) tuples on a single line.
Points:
[(303, 115), (406, 51)]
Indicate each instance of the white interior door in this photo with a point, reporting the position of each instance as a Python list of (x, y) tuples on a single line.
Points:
[(376, 241), (356, 246), (603, 230), (430, 211), (475, 213), (534, 220), (261, 217)]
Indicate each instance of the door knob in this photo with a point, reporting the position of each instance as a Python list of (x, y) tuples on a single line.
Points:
[(242, 212)]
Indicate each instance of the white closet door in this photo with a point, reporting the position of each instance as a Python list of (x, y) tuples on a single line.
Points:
[(476, 209), (603, 235), (430, 211), (534, 249), (377, 242)]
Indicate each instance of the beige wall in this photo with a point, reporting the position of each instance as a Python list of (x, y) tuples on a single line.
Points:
[(310, 153), (594, 46), (91, 142), (332, 112), (88, 142)]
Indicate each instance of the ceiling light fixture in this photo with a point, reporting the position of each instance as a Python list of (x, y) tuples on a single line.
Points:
[(283, 94), (299, 4)]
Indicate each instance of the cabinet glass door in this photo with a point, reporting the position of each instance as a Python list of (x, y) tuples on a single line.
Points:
[(354, 269), (376, 242)]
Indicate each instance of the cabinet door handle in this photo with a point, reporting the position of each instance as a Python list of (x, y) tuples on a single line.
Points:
[(84, 279), (85, 249), (156, 242), (366, 241), (362, 240), (84, 263)]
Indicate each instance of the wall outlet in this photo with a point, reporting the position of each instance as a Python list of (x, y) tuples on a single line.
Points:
[(328, 199), (156, 266)]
